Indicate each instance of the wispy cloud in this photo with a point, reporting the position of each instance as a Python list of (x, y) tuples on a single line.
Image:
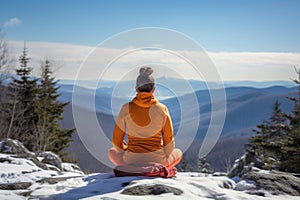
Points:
[(12, 22), (257, 66)]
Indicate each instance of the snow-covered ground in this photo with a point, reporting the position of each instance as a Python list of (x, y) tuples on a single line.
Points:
[(16, 170), (107, 186)]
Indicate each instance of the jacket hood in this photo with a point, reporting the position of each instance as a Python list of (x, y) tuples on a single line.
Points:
[(144, 99)]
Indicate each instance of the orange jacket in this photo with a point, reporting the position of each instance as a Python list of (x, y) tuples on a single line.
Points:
[(148, 124)]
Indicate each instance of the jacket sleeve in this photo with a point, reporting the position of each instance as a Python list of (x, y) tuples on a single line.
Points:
[(168, 135), (119, 132)]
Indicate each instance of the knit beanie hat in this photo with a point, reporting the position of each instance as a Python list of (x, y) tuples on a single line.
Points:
[(145, 80)]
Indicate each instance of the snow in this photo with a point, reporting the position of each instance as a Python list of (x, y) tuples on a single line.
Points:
[(16, 170), (70, 167), (48, 155), (21, 170), (219, 174), (8, 195), (107, 186), (260, 170), (245, 185)]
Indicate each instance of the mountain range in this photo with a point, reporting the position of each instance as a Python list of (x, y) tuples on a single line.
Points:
[(246, 107)]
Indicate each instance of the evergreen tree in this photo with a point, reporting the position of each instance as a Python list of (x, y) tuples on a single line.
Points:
[(49, 135), (204, 166), (22, 98), (33, 110), (184, 165), (290, 160), (267, 142), (277, 141)]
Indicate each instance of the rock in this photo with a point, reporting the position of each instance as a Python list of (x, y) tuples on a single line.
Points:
[(7, 160), (50, 158), (53, 168), (55, 180), (237, 167), (71, 167), (246, 163), (247, 170), (228, 184), (10, 146), (156, 189), (15, 186), (34, 160), (275, 182), (219, 174), (257, 193)]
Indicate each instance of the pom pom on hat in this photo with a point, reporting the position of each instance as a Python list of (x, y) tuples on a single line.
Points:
[(146, 71)]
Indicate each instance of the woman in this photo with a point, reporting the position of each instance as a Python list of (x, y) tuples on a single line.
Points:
[(149, 127)]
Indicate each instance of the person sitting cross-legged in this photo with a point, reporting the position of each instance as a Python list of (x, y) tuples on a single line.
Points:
[(149, 127)]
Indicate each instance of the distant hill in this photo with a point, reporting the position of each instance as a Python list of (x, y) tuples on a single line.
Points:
[(196, 84)]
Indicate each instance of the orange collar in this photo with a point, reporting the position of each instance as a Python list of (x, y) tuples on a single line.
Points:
[(144, 99)]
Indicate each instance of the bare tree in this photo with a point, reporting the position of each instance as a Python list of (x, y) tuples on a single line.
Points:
[(15, 114), (11, 114), (5, 65), (3, 114), (5, 59), (225, 152)]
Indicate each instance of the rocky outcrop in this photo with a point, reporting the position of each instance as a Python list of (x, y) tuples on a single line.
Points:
[(156, 189), (44, 160), (55, 180), (50, 158), (10, 146), (71, 167), (275, 182), (15, 186), (247, 170), (245, 164), (18, 150)]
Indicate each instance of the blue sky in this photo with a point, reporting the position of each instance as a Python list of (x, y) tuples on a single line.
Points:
[(229, 25), (246, 39)]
